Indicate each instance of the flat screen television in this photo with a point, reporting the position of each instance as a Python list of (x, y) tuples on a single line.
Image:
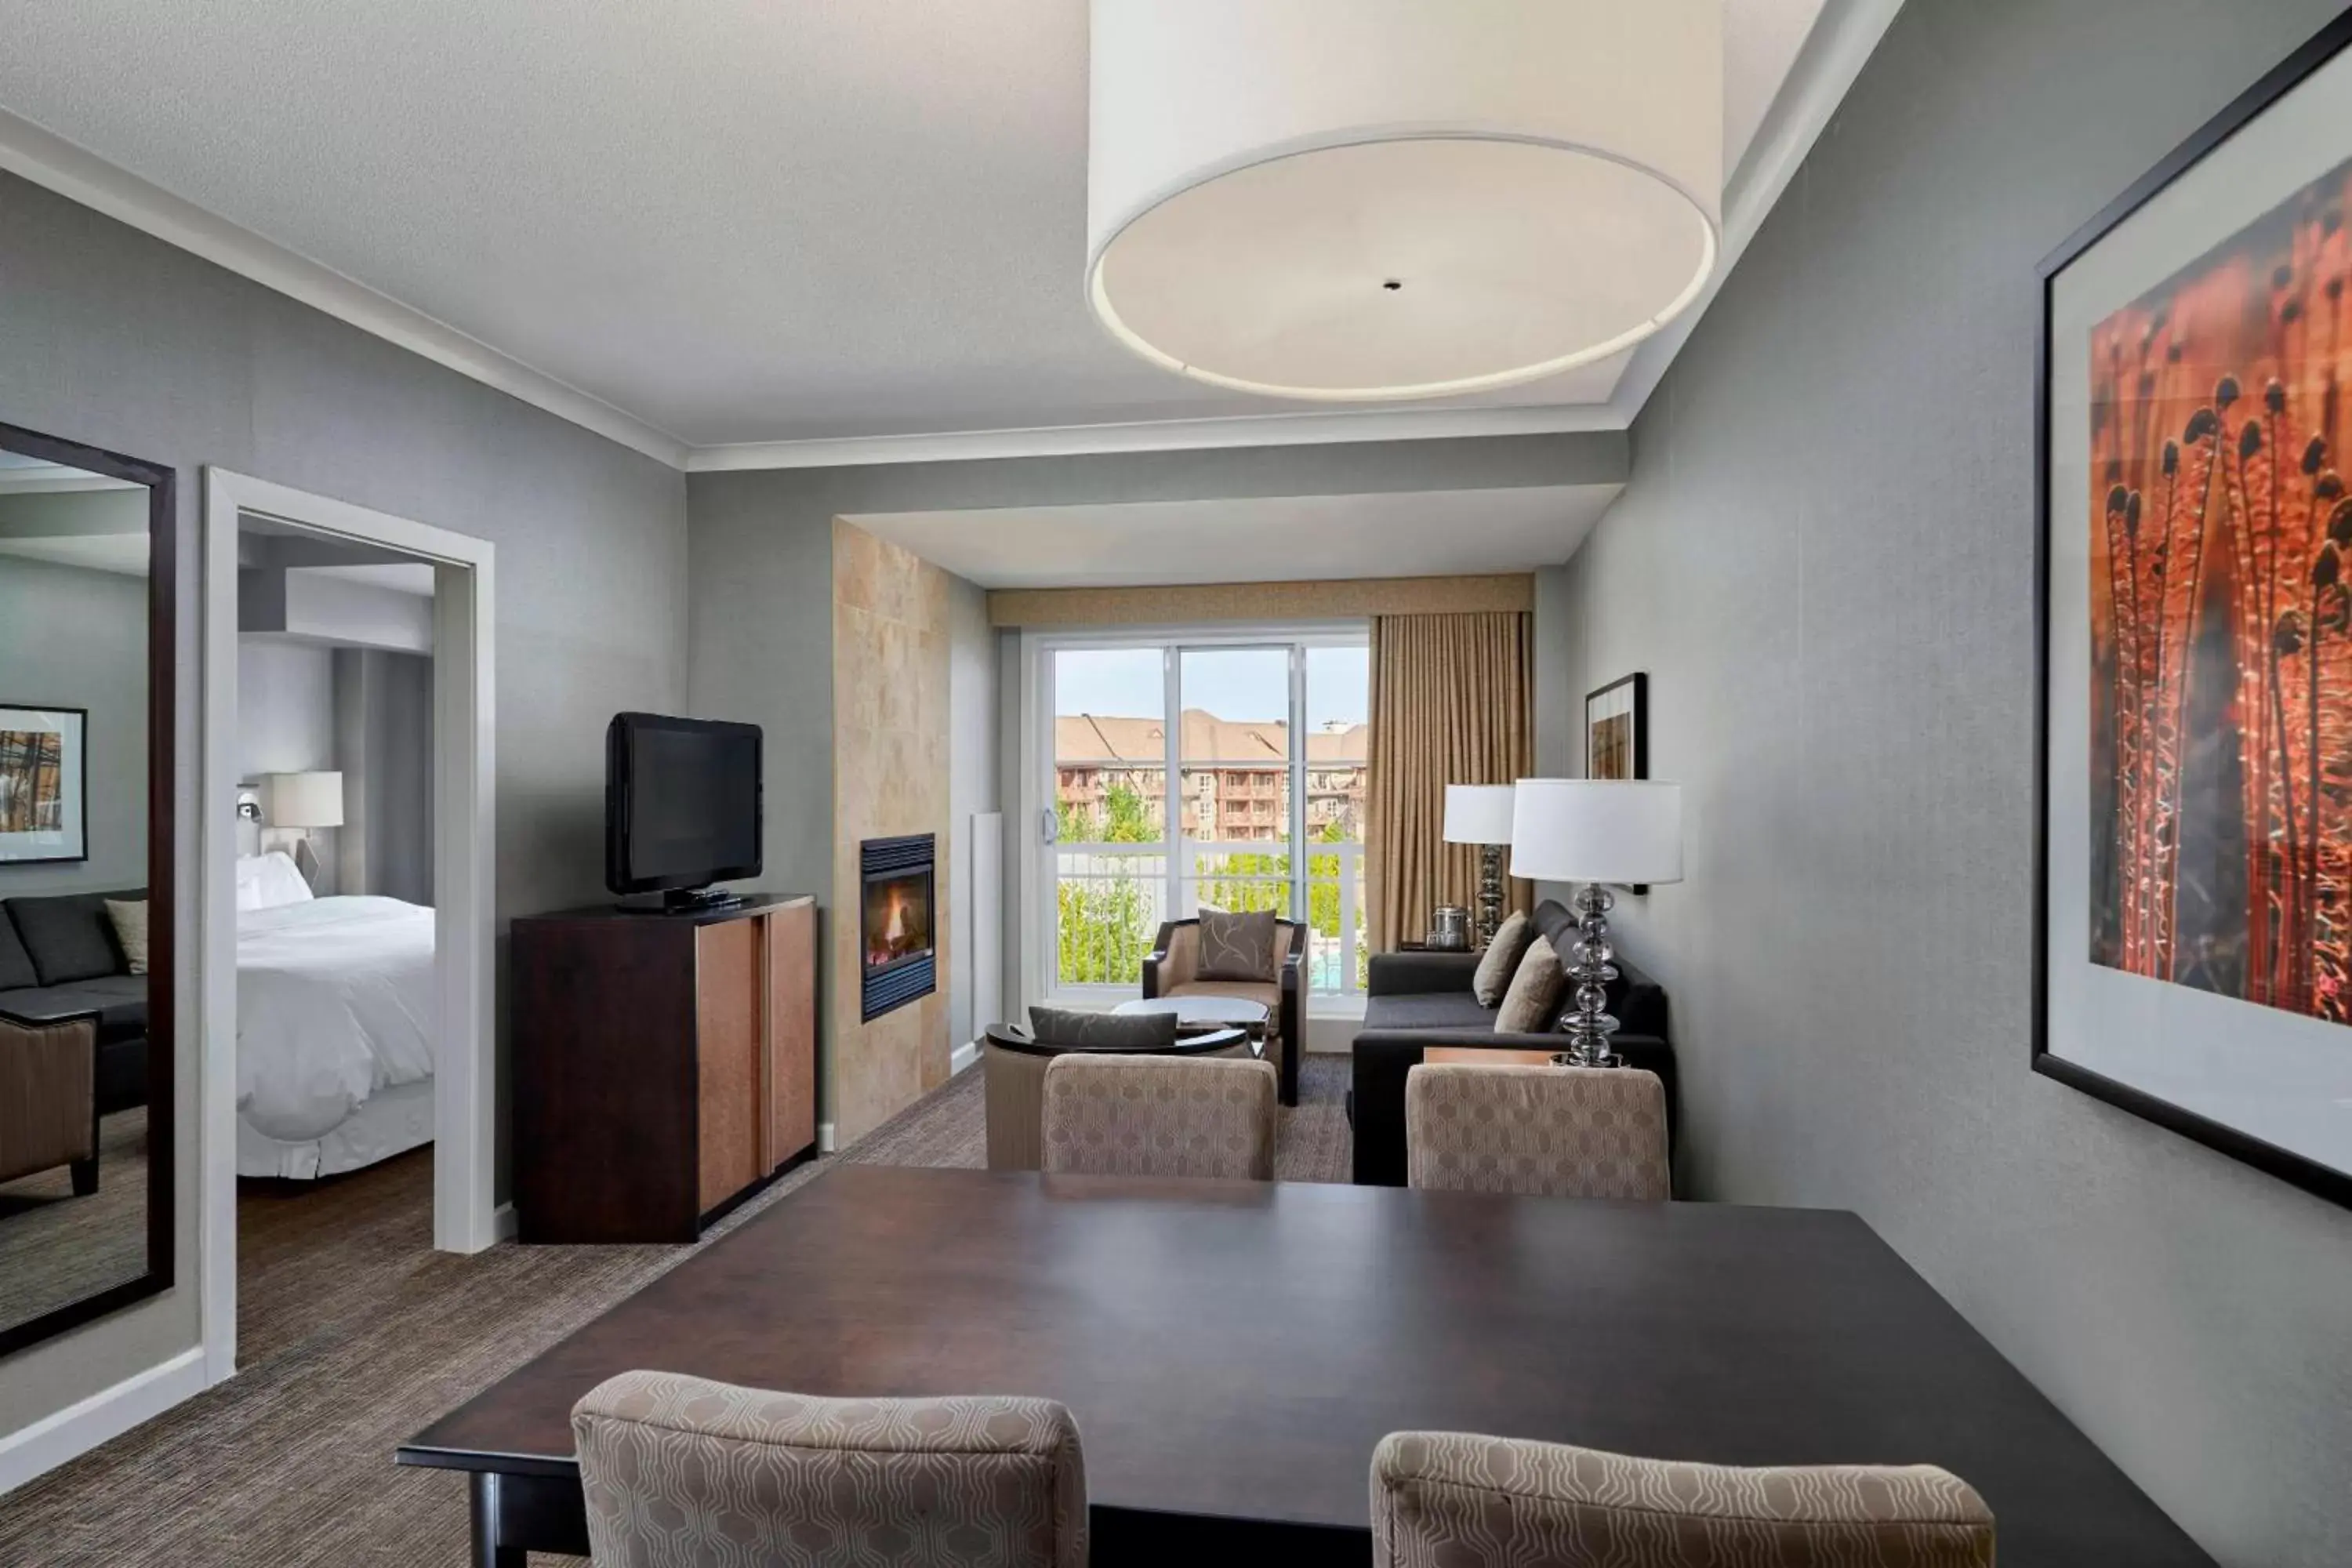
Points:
[(681, 805)]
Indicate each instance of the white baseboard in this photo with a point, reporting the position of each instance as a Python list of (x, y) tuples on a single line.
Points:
[(963, 1056), (107, 1413), (825, 1137), (502, 1222)]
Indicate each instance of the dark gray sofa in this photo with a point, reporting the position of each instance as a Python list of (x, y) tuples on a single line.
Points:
[(59, 960), (1417, 1000)]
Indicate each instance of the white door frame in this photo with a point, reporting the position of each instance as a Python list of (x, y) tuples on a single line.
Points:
[(464, 867)]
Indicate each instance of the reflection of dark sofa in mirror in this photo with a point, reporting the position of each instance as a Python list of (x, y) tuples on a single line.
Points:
[(86, 703)]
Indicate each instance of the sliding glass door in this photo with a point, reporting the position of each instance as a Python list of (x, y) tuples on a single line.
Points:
[(1265, 744)]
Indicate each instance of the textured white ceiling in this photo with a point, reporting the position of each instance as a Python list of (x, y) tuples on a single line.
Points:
[(1276, 539), (737, 220)]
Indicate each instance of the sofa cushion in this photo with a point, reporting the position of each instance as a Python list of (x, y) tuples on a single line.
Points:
[(1534, 996), (1238, 946), (1427, 1010), (119, 1001), (68, 936), (1501, 960), (16, 969)]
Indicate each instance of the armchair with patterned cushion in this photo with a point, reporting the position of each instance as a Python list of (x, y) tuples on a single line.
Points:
[(1173, 968)]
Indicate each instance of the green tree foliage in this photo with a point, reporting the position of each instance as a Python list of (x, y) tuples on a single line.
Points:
[(1106, 921)]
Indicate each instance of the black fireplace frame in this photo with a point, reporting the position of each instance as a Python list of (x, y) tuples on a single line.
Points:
[(885, 987)]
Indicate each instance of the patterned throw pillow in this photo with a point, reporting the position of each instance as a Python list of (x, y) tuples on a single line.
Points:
[(1236, 947), (130, 922), (1535, 991), (1502, 960), (1113, 1031)]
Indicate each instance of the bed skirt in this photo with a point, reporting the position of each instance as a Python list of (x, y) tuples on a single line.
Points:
[(392, 1123)]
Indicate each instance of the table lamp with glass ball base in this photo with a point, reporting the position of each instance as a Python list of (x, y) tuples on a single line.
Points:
[(1481, 815), (1596, 832)]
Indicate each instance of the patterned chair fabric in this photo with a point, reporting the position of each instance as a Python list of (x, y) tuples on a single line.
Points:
[(1539, 1131), (682, 1472), (1453, 1500), (1159, 1116), (1172, 968)]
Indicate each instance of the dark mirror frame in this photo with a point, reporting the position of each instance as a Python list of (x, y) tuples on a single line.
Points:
[(162, 598)]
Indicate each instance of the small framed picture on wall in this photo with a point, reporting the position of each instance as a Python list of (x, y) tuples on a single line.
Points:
[(1617, 734), (43, 793), (1617, 729)]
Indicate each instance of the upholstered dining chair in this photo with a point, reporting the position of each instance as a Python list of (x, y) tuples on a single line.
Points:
[(1159, 1116), (682, 1472), (1466, 1501), (1537, 1131)]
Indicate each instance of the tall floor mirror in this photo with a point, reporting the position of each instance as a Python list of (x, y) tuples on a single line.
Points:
[(87, 592)]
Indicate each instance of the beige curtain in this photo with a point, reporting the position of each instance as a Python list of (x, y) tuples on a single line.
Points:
[(1452, 700)]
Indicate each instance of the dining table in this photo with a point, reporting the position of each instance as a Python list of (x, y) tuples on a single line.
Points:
[(1232, 1351)]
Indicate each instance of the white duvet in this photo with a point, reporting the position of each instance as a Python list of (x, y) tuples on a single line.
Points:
[(334, 1002)]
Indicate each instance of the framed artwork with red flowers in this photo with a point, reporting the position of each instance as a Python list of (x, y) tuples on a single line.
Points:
[(2194, 896)]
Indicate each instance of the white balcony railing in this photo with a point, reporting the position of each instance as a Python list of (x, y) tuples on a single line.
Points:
[(1110, 899)]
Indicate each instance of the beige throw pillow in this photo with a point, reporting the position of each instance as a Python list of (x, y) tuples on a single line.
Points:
[(1236, 947), (1533, 993), (1502, 960), (130, 929)]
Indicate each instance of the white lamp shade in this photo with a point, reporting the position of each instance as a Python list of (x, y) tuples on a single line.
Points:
[(1596, 830), (1370, 199), (1478, 813), (305, 800)]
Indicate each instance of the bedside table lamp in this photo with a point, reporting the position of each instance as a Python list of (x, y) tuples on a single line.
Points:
[(1481, 815), (301, 802), (1595, 831)]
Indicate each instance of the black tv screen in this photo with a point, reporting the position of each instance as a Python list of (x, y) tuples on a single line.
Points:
[(681, 803)]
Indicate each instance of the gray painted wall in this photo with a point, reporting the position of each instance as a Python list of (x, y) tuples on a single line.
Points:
[(1824, 560), (77, 638), (123, 341), (761, 573), (971, 784)]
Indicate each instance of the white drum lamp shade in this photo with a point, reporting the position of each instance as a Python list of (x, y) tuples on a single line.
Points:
[(1478, 813), (1596, 830), (305, 800), (1371, 199)]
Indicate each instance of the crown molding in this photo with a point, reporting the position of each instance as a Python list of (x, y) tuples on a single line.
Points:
[(49, 160), (1831, 57), (1158, 435)]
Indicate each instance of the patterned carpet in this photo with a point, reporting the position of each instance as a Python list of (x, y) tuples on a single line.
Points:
[(353, 1335)]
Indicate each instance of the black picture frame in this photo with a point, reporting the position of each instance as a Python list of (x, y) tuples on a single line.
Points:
[(81, 774), (2297, 1169), (160, 482), (1639, 707)]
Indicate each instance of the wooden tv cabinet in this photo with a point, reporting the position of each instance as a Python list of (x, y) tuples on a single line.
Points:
[(665, 1065)]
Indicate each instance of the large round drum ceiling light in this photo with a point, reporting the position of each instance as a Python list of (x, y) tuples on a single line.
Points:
[(1369, 199)]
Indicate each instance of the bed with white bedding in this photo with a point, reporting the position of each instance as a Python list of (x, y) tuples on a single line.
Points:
[(335, 1003)]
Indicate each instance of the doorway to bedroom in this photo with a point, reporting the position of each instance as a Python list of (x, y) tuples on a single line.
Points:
[(335, 967), (346, 1087)]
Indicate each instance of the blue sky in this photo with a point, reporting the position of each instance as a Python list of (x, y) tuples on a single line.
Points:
[(1244, 684)]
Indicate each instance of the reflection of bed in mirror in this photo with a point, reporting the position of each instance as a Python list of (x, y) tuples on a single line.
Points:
[(335, 1041)]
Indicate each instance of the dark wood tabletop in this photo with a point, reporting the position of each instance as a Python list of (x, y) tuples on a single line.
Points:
[(1232, 1351)]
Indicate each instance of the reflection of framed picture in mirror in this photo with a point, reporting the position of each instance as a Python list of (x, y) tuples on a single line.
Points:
[(44, 789), (2193, 955)]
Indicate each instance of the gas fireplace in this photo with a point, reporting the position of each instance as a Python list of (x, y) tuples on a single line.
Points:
[(895, 922)]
